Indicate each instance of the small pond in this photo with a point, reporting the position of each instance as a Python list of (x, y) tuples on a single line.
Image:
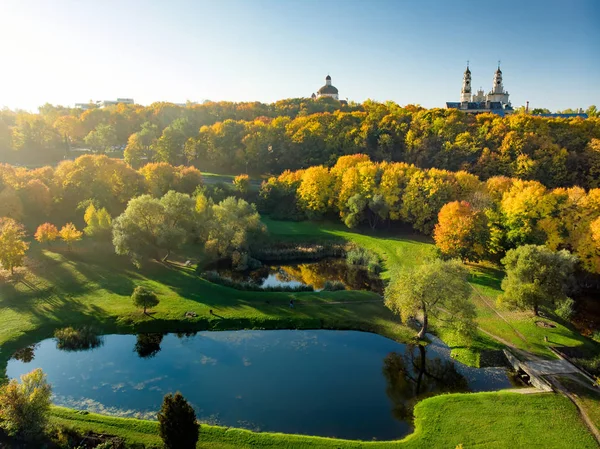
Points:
[(314, 273), (345, 384)]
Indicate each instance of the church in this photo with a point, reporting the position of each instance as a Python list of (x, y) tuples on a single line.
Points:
[(328, 90), (496, 101)]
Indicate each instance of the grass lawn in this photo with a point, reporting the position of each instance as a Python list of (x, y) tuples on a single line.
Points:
[(589, 398), (502, 420), (93, 286), (408, 249)]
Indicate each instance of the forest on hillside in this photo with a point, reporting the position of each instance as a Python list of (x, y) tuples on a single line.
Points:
[(298, 133)]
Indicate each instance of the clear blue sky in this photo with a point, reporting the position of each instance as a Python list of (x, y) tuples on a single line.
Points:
[(64, 52)]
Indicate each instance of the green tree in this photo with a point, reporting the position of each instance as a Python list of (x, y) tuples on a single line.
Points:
[(235, 225), (102, 138), (178, 426), (439, 288), (150, 225), (144, 298), (25, 406), (536, 276)]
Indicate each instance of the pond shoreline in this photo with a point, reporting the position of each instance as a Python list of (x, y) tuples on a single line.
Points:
[(247, 378)]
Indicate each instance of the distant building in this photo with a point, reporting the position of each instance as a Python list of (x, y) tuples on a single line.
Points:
[(327, 90), (104, 103), (496, 101)]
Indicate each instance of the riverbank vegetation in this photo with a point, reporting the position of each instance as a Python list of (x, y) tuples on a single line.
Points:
[(543, 420)]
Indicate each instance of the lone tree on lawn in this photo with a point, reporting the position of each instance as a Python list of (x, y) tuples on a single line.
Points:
[(438, 288), (536, 276), (46, 233), (143, 297), (177, 423), (70, 234), (12, 244)]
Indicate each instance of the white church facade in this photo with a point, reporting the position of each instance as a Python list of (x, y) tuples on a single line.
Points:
[(495, 101)]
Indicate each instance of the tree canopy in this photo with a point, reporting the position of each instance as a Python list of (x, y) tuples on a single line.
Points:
[(536, 276), (438, 288)]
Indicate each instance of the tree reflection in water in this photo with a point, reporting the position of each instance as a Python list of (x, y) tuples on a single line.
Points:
[(412, 377), (148, 345), (26, 354)]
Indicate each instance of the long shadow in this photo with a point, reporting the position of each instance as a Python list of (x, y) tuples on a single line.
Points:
[(487, 277), (99, 270)]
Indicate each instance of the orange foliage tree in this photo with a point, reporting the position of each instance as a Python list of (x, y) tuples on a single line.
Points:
[(460, 231), (46, 233)]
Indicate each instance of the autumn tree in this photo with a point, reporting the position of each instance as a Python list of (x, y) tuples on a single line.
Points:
[(25, 406), (438, 288), (102, 138), (98, 222), (242, 184), (461, 231), (12, 244), (536, 276), (316, 190), (46, 233), (69, 234), (140, 145), (10, 204), (177, 423), (142, 297)]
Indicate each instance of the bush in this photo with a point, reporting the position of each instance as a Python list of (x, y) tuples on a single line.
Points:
[(242, 184), (71, 339), (362, 257), (216, 278), (145, 298), (177, 423), (565, 309), (24, 407), (332, 286)]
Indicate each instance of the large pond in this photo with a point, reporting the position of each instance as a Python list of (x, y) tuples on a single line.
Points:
[(345, 384), (314, 273)]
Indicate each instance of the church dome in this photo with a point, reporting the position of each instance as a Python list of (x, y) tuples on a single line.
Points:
[(328, 89)]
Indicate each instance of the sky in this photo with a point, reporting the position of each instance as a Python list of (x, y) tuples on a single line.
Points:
[(411, 52)]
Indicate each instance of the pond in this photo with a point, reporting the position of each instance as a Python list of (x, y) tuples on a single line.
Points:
[(345, 384), (314, 273)]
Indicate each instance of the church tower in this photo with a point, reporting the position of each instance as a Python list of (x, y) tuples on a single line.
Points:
[(498, 88), (465, 93), (497, 94)]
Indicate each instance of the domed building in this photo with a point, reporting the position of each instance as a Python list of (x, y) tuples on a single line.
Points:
[(327, 90)]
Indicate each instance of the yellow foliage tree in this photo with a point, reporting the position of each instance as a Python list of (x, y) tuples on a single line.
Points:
[(12, 245), (316, 190), (70, 234)]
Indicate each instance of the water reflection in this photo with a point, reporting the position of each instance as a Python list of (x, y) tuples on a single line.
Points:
[(309, 273), (26, 354), (412, 376), (148, 345), (328, 383)]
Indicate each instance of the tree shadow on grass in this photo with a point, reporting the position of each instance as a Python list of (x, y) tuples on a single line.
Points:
[(486, 276), (106, 272)]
